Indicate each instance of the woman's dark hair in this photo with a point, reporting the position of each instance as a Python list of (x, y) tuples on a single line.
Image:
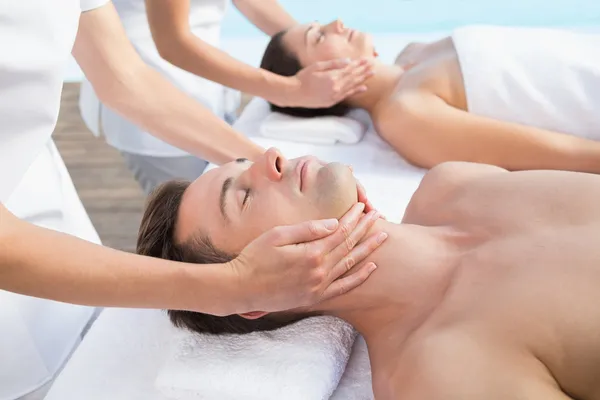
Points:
[(281, 61)]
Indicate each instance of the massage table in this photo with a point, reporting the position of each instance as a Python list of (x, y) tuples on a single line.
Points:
[(123, 351)]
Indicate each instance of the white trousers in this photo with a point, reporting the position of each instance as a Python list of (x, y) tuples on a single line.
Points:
[(37, 336)]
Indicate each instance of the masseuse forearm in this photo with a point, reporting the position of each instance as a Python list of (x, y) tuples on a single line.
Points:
[(176, 43), (127, 85), (190, 53), (267, 15), (151, 102), (43, 263)]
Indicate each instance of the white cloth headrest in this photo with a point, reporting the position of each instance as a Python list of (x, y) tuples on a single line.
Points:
[(301, 361), (348, 129)]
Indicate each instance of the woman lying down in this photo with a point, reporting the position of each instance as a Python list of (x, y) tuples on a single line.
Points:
[(488, 289), (513, 97)]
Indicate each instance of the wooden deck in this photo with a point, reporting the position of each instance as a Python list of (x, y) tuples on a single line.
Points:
[(108, 190)]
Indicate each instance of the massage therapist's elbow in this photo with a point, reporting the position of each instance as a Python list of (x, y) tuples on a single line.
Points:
[(165, 49), (123, 90), (169, 45)]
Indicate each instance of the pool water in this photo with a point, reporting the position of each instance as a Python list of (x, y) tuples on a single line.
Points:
[(394, 23), (420, 16)]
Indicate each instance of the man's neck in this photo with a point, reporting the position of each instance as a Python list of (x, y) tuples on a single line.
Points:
[(415, 265), (379, 87)]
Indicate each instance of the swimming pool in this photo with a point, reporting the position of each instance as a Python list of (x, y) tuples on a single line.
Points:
[(394, 23), (420, 16)]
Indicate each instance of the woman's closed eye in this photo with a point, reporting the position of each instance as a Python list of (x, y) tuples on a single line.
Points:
[(321, 36)]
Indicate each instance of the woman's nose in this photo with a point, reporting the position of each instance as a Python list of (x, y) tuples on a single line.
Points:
[(336, 26)]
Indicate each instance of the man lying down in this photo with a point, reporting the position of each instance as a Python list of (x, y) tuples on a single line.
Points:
[(488, 289)]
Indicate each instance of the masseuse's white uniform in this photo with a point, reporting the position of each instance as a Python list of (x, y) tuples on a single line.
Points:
[(36, 37), (150, 159)]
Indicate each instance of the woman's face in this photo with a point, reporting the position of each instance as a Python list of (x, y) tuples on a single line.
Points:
[(314, 42)]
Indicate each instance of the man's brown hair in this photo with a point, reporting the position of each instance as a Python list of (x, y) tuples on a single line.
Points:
[(156, 238)]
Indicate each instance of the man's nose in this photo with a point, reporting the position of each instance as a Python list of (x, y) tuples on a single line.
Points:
[(271, 165)]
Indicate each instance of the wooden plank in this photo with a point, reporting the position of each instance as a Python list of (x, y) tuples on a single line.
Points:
[(107, 189)]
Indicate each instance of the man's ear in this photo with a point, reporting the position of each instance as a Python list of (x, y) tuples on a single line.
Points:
[(253, 314)]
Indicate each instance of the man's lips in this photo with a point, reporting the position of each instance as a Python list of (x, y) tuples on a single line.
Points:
[(301, 170)]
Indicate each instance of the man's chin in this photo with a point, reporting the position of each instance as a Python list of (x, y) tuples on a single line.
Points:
[(336, 190)]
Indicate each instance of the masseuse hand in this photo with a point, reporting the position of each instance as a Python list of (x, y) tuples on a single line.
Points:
[(299, 265), (326, 83)]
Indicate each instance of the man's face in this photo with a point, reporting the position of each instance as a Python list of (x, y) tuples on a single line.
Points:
[(237, 202), (314, 42)]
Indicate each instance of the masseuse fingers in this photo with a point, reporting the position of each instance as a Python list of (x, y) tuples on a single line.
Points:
[(354, 83), (330, 231), (360, 70), (356, 70), (307, 231), (346, 255), (346, 284), (357, 255), (322, 248), (362, 197), (340, 63)]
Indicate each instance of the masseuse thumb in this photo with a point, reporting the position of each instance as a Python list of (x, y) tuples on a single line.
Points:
[(332, 64), (303, 232)]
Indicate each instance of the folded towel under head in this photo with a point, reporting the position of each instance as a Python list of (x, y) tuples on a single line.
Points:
[(349, 129), (302, 361)]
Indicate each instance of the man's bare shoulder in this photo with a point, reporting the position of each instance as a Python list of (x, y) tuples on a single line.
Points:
[(485, 194), (456, 364), (440, 187)]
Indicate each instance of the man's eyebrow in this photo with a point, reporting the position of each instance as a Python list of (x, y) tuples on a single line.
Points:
[(241, 160), (223, 197)]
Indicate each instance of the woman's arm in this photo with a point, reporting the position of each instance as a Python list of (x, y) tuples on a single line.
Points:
[(126, 84), (427, 131), (267, 15), (44, 263), (286, 267), (324, 85)]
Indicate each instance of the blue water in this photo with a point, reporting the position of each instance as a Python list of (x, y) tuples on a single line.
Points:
[(419, 16)]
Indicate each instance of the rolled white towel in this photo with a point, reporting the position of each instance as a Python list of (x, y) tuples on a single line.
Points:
[(302, 361), (348, 129)]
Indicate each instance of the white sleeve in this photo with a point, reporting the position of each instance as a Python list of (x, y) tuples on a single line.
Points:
[(87, 5)]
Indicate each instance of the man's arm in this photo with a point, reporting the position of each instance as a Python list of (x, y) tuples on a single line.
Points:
[(126, 84), (176, 43), (267, 15), (433, 132)]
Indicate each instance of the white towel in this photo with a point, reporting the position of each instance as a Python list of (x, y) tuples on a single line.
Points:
[(348, 129), (541, 77), (302, 361)]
